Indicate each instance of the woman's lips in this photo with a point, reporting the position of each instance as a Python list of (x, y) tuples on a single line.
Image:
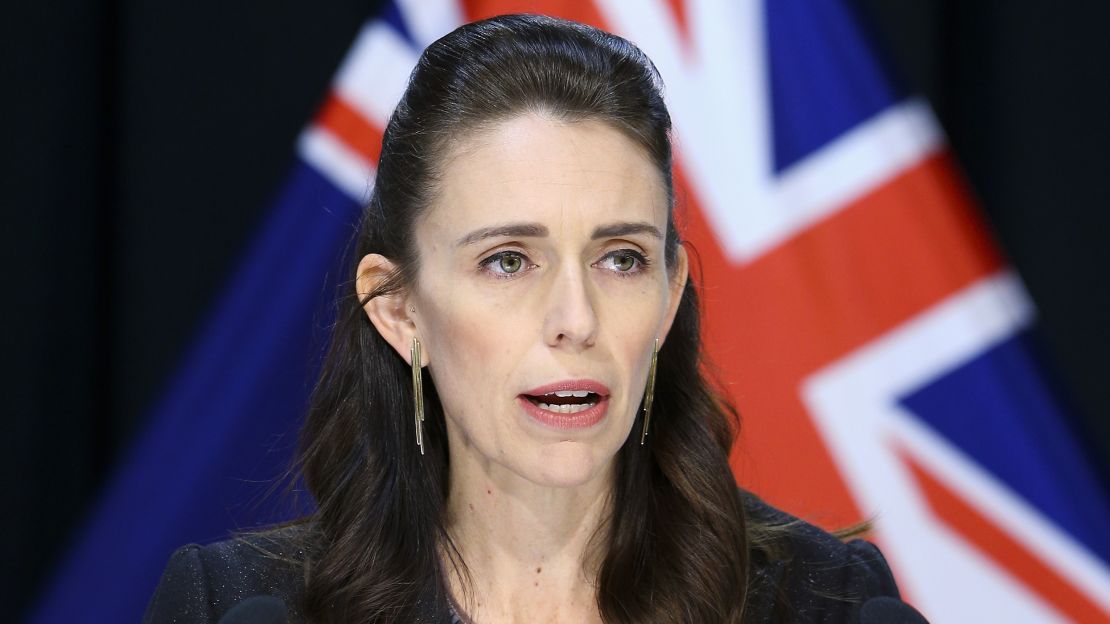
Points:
[(571, 420), (596, 403), (570, 385)]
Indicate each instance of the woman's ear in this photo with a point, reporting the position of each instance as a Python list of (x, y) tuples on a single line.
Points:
[(389, 313), (676, 285)]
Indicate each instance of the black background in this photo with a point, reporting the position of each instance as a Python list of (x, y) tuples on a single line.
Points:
[(143, 142)]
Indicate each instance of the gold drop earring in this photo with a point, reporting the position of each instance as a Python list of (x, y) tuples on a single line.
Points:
[(649, 392), (418, 392)]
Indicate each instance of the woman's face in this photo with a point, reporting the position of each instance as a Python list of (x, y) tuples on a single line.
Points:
[(542, 272)]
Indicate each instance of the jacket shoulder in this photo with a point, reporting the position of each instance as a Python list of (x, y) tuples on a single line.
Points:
[(803, 573), (201, 583)]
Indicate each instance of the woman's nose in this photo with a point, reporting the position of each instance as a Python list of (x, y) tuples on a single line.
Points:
[(571, 318)]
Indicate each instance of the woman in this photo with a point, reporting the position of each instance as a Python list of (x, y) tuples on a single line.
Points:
[(512, 423)]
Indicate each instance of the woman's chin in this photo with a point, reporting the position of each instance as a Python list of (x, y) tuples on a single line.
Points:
[(569, 464)]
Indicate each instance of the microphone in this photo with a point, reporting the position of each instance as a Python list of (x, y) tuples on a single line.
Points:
[(257, 610), (887, 610)]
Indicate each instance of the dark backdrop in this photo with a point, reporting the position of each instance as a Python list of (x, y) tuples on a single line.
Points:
[(143, 142)]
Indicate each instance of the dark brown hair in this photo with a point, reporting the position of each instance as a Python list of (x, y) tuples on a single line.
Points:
[(675, 548)]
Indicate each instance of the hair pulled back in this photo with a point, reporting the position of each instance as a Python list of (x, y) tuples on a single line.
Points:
[(675, 548)]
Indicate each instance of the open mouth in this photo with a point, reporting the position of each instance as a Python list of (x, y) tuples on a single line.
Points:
[(565, 401), (568, 404)]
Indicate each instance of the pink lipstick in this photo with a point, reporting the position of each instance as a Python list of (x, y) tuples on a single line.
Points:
[(568, 404)]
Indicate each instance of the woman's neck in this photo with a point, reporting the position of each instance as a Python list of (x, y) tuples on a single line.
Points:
[(527, 547)]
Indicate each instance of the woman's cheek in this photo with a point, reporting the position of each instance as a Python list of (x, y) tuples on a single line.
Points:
[(632, 312), (475, 333)]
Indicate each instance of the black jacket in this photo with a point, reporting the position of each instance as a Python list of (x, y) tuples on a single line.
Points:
[(824, 579)]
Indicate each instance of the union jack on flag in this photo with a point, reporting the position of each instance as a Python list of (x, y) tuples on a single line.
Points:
[(869, 330)]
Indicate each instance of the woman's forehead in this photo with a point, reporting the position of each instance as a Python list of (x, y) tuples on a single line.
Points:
[(562, 175)]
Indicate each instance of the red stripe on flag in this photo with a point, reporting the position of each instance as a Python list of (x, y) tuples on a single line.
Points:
[(351, 127), (1010, 554), (577, 10), (682, 24), (832, 288)]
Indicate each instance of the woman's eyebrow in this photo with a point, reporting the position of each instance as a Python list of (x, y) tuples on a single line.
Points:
[(535, 230), (626, 228), (509, 229)]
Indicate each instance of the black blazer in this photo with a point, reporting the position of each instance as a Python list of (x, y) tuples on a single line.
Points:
[(825, 580)]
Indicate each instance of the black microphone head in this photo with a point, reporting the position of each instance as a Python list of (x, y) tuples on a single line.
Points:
[(887, 610), (257, 610)]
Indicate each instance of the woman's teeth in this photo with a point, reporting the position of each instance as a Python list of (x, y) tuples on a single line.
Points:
[(572, 393), (566, 401), (568, 408)]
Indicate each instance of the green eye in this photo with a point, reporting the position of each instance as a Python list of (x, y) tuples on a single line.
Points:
[(625, 262), (510, 263), (507, 264)]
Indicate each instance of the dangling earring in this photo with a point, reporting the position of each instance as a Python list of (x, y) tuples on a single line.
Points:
[(417, 392), (649, 393)]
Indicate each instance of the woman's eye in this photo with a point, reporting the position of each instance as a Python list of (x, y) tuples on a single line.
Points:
[(510, 264), (505, 263), (625, 261)]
